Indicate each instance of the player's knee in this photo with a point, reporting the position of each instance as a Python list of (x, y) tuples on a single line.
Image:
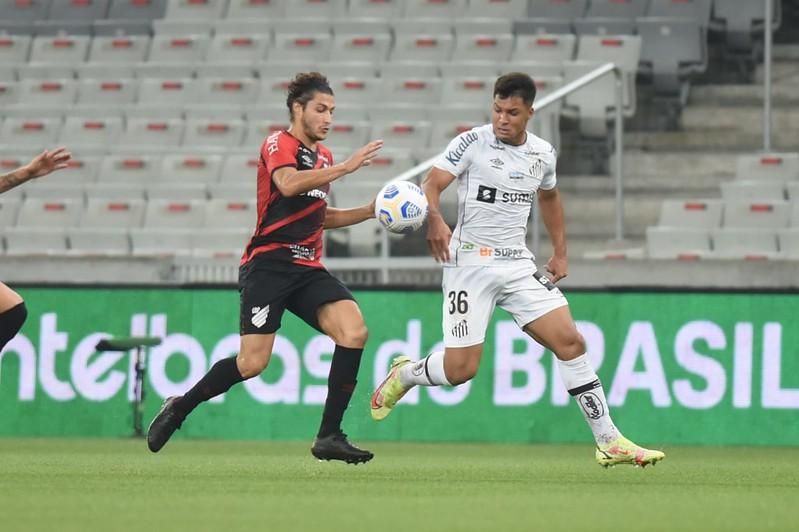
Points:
[(353, 336), (251, 365), (462, 372), (574, 346)]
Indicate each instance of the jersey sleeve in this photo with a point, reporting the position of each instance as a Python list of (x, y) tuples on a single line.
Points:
[(278, 152), (458, 155), (550, 176)]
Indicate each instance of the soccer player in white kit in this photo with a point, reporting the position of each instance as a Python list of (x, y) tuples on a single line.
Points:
[(500, 168)]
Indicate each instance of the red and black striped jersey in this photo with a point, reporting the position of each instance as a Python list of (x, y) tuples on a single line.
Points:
[(289, 230)]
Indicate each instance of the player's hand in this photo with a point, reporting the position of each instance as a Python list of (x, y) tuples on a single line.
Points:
[(363, 157), (558, 268), (438, 237), (47, 162)]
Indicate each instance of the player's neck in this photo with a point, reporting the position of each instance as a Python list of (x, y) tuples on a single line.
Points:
[(300, 135), (514, 142)]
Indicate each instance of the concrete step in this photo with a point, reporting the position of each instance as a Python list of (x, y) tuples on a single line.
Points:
[(703, 170), (739, 118), (785, 52), (713, 140), (643, 186), (782, 94), (594, 215), (578, 246)]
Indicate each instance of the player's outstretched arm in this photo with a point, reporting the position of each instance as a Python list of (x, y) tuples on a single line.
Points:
[(344, 217), (293, 182), (41, 165), (438, 232), (552, 214)]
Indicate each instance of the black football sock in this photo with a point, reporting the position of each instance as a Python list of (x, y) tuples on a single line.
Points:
[(11, 322), (218, 380), (340, 385)]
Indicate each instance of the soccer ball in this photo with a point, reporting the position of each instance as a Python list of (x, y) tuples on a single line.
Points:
[(401, 207)]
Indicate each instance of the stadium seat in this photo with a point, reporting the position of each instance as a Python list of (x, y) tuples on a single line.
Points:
[(8, 72), (220, 243), (385, 9), (178, 49), (256, 9), (233, 48), (432, 46), (45, 71), (449, 122), (119, 49), (753, 191), (225, 70), (545, 85), (699, 214), (9, 207), (695, 10), (388, 164), (681, 243), (546, 26), (273, 90), (315, 8), (496, 9), (117, 191), (279, 69), (60, 49), (240, 167), (483, 47), (233, 191), (402, 69), (190, 168), (475, 69), (98, 242), (52, 213), (177, 191), (403, 134), (672, 50), (228, 214), (792, 190), (35, 240), (121, 27), (165, 71), (219, 91), (214, 112), (336, 70), (194, 9), (174, 214), (604, 26), (23, 11), (137, 9), (81, 169), (559, 9), (160, 242), (467, 90), (112, 214), (629, 9), (544, 48), (756, 215), (62, 28), (355, 90), (256, 132), (9, 93), (55, 191), (768, 166), (104, 71), (35, 133), (168, 91), (361, 41), (622, 50), (109, 91), (306, 46), (593, 105), (354, 134), (789, 243), (56, 92), (183, 28), (741, 22), (217, 133), (14, 48), (745, 243), (153, 132), (77, 9), (133, 168), (445, 9), (91, 132), (411, 90)]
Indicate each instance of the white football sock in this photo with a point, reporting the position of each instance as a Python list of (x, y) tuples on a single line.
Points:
[(428, 371), (583, 384)]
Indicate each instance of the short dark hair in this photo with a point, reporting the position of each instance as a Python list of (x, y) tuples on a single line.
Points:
[(303, 88), (515, 84)]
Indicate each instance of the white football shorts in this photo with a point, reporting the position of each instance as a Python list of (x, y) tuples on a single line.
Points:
[(472, 292)]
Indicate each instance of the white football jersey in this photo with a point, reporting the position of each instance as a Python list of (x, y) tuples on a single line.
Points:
[(497, 186)]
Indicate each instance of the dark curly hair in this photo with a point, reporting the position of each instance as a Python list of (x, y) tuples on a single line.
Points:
[(303, 88), (515, 84)]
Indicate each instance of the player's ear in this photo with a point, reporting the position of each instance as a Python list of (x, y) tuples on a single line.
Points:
[(296, 109)]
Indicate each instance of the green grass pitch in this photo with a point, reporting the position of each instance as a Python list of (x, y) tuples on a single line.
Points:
[(117, 485)]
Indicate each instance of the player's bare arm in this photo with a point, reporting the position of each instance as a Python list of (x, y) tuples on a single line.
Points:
[(552, 214), (438, 232), (292, 182), (46, 162), (345, 217)]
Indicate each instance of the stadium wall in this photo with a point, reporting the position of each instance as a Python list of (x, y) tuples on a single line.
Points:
[(693, 368)]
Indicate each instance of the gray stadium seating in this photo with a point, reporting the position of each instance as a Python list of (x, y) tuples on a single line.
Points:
[(137, 9), (753, 191), (83, 10), (695, 10), (772, 166), (756, 215), (562, 9), (747, 243), (677, 243), (13, 11), (702, 214), (625, 9), (672, 50)]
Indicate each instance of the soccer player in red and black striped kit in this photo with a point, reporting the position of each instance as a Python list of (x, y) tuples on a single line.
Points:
[(281, 270)]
